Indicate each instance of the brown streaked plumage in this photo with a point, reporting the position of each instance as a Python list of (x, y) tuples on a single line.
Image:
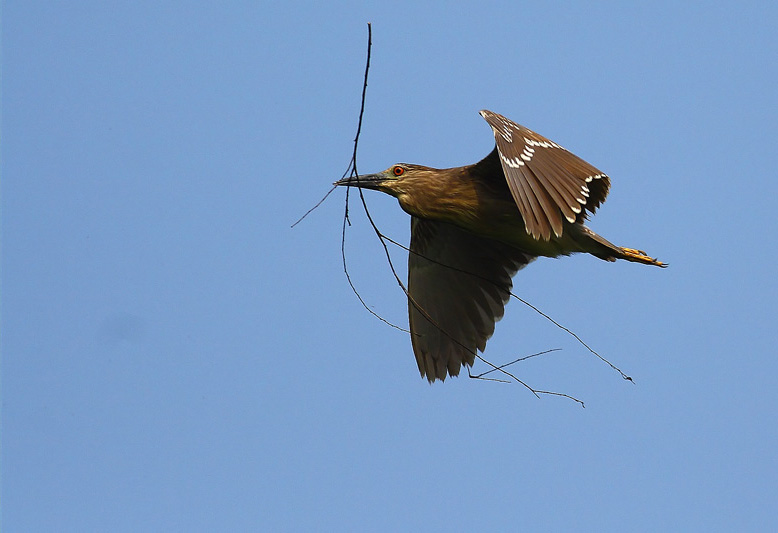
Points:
[(474, 227)]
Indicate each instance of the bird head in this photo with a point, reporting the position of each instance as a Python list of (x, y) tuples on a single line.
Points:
[(421, 191), (396, 180)]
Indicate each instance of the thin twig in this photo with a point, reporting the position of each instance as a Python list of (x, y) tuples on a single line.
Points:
[(576, 337), (517, 361), (314, 207)]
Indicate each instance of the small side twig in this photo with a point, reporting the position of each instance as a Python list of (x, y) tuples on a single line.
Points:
[(480, 376), (314, 207)]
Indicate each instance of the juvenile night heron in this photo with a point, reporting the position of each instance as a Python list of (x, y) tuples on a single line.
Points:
[(474, 227)]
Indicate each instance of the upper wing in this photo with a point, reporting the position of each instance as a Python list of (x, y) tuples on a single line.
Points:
[(546, 181), (458, 286)]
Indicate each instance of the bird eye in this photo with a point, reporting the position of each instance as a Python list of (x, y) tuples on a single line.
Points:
[(398, 171)]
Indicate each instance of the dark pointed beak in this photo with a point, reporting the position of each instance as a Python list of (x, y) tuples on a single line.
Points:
[(364, 181)]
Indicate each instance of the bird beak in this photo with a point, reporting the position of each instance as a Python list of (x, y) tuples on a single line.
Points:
[(363, 181)]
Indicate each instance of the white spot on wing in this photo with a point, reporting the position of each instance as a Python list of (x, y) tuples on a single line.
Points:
[(542, 144), (513, 163)]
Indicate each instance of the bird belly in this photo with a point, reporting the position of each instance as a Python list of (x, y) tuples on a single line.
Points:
[(517, 236), (508, 228)]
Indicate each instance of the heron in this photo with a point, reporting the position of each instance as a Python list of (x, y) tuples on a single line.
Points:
[(474, 227)]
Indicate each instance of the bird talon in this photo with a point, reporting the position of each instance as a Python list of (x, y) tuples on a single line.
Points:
[(639, 256), (633, 251)]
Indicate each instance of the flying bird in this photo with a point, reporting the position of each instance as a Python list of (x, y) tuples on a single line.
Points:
[(474, 227)]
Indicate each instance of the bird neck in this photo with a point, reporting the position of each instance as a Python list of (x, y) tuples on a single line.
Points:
[(447, 195)]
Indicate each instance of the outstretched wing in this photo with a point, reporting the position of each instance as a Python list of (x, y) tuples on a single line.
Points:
[(546, 181), (458, 285)]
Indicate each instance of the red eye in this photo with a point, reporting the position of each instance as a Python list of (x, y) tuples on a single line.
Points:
[(398, 171)]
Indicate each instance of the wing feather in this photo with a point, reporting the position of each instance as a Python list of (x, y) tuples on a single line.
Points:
[(547, 182), (458, 285)]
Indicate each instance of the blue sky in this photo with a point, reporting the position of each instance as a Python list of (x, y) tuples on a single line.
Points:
[(176, 357)]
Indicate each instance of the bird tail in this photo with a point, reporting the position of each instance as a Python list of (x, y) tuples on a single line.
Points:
[(602, 248)]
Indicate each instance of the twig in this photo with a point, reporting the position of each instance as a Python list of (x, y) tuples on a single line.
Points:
[(479, 376), (314, 207)]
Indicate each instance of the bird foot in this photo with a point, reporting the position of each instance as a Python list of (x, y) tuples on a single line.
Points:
[(639, 256)]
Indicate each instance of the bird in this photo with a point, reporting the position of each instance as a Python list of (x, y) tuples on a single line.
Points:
[(474, 227)]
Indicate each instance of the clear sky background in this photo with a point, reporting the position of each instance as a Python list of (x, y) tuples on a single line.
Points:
[(176, 357)]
